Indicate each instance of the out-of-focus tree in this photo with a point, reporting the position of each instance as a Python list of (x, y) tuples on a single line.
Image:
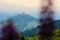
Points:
[(10, 33)]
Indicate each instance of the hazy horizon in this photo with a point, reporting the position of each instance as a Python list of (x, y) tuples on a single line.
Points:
[(9, 8)]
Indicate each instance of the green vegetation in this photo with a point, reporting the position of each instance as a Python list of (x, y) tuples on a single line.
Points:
[(56, 36), (32, 38)]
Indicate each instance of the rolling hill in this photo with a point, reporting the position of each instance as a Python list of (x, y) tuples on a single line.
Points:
[(24, 22), (28, 24), (29, 33)]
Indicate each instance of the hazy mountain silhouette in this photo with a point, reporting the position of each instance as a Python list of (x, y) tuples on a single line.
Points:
[(24, 22)]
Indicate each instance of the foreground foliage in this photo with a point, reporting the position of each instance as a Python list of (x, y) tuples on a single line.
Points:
[(56, 36)]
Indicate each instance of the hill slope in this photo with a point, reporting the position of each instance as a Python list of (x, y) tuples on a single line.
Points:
[(29, 33), (25, 22)]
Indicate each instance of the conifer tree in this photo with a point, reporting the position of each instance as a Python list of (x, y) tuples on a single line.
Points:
[(10, 33), (47, 21)]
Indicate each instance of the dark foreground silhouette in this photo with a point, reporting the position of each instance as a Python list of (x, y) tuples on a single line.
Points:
[(9, 32)]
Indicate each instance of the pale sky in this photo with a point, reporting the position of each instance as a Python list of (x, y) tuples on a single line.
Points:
[(31, 7)]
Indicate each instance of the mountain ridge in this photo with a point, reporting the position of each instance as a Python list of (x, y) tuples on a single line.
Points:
[(29, 33), (23, 21)]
